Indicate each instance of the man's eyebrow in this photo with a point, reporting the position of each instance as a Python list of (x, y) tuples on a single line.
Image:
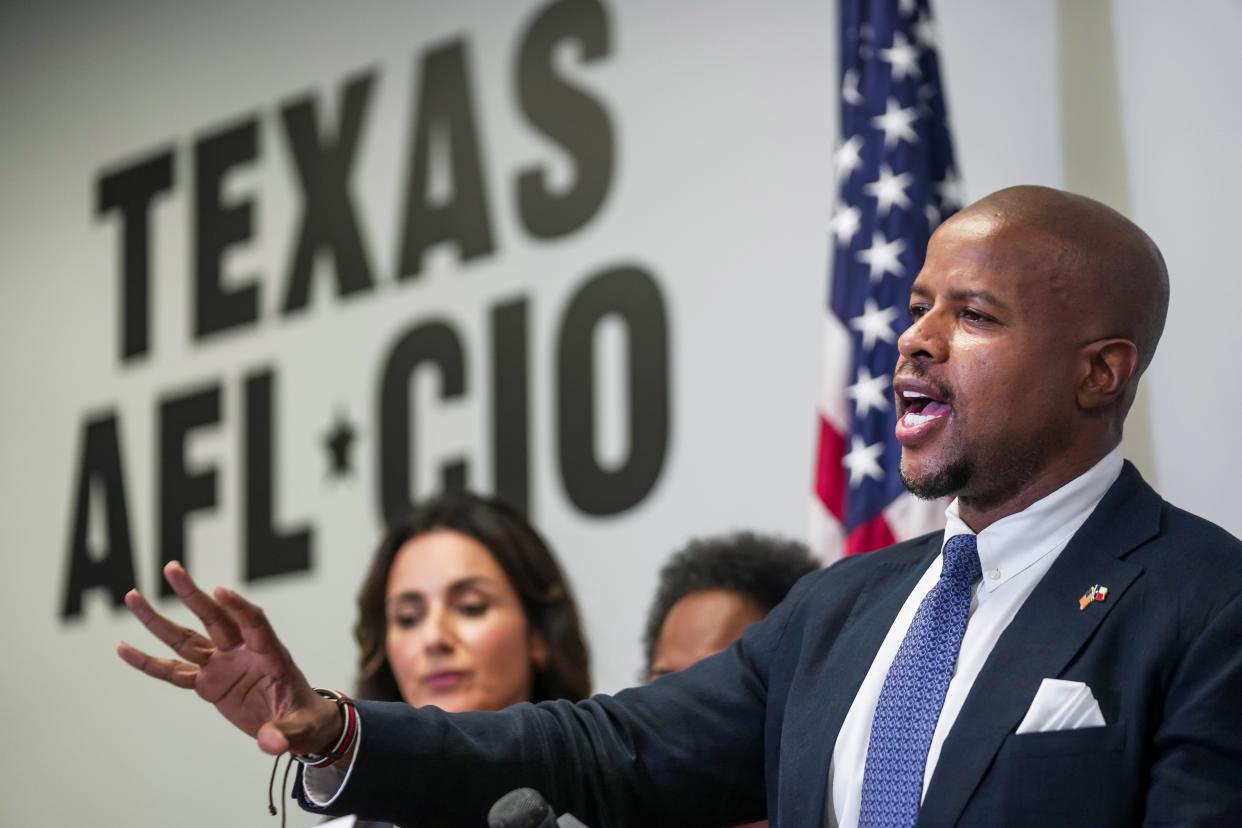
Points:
[(964, 295)]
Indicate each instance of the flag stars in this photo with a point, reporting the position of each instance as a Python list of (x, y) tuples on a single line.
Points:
[(894, 181), (848, 156), (863, 461), (903, 57), (897, 123), (875, 324), (949, 189), (882, 255), (849, 87), (845, 223), (889, 189), (868, 393)]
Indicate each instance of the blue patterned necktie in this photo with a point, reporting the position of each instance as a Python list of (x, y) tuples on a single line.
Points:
[(913, 693)]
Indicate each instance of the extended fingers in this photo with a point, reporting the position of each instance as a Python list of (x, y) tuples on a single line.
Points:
[(185, 642), (250, 620), (215, 620), (177, 673)]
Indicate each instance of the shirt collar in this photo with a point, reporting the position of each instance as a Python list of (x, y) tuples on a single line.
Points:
[(1014, 543)]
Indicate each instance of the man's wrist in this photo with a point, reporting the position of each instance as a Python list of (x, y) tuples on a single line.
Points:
[(337, 732), (331, 724)]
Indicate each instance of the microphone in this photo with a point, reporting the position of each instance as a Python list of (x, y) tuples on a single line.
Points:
[(526, 808), (522, 808)]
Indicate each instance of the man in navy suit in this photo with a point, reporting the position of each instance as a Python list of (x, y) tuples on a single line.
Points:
[(1068, 651)]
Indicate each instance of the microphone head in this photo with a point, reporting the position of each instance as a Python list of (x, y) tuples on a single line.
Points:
[(522, 808)]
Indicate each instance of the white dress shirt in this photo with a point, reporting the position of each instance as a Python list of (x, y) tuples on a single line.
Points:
[(324, 785), (1014, 554)]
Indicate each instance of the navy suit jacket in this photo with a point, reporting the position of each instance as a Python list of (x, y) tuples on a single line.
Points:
[(752, 730)]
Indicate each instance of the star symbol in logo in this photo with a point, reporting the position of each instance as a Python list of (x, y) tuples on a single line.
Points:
[(338, 442)]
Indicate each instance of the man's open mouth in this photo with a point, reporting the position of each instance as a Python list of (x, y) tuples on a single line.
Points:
[(919, 408)]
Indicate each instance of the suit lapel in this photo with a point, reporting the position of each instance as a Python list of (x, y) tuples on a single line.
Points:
[(823, 695), (1045, 635)]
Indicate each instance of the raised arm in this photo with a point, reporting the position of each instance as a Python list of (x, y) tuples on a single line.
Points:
[(688, 749), (240, 666)]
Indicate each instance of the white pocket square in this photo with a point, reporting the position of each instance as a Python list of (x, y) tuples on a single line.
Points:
[(1061, 705)]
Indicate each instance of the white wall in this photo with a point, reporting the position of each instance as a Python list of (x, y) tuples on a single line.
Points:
[(1179, 73)]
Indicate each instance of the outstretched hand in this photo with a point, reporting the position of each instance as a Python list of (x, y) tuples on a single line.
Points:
[(240, 666)]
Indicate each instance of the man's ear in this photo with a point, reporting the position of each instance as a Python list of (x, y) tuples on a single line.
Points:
[(1108, 369)]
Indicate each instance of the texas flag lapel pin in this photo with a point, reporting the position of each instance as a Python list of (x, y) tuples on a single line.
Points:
[(1096, 593)]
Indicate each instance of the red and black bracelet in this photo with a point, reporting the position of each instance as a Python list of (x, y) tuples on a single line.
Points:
[(349, 732)]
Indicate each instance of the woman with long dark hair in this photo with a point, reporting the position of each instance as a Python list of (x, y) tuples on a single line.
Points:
[(465, 607)]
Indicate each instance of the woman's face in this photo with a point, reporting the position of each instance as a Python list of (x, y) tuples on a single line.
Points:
[(457, 636)]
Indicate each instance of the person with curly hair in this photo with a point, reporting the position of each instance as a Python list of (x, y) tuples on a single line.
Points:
[(712, 590)]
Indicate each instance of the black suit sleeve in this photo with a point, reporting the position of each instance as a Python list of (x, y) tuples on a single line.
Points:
[(686, 750), (1196, 775)]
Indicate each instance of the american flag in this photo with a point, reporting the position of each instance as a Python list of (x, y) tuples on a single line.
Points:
[(895, 182)]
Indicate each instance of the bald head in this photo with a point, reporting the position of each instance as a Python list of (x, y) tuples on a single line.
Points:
[(1105, 271), (1033, 316)]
